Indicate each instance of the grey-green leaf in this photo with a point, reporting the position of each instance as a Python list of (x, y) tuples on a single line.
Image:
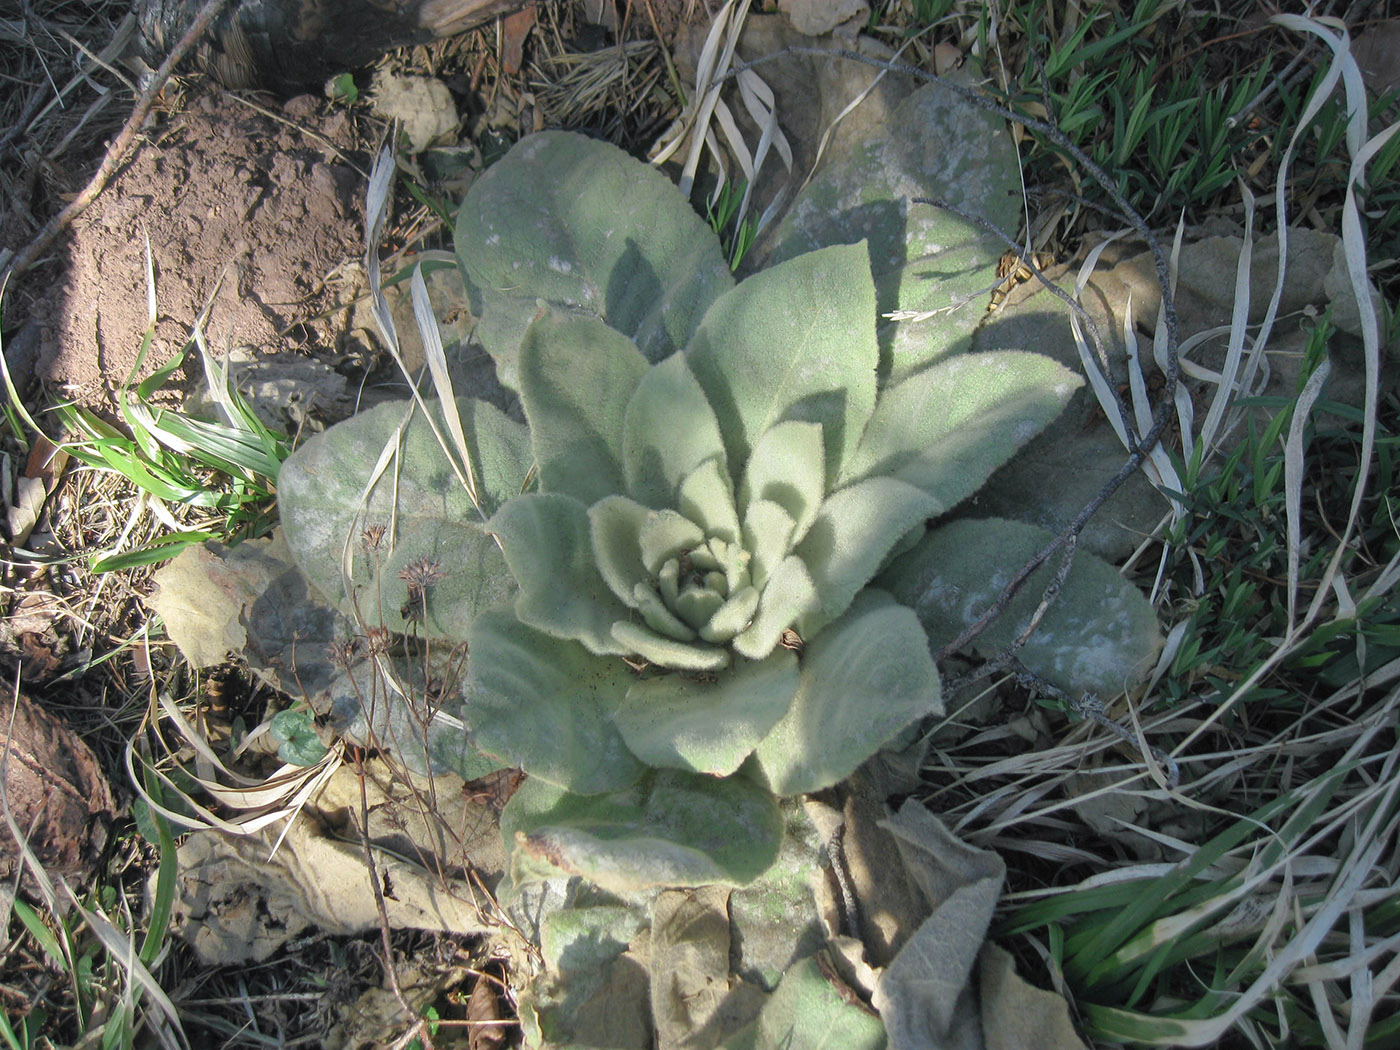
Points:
[(924, 257), (808, 1011), (546, 704), (855, 529), (947, 428), (586, 228), (788, 468), (549, 548), (670, 829), (417, 514), (796, 341), (669, 430), (576, 377), (1100, 636), (707, 726), (864, 678)]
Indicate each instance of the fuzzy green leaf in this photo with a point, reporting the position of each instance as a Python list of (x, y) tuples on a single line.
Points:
[(669, 430), (670, 829), (794, 342), (420, 505), (706, 497), (650, 645), (787, 468), (616, 525), (549, 548), (856, 528), (1100, 636), (946, 429), (576, 377), (864, 678), (707, 726), (808, 1011), (546, 704), (581, 225), (788, 595), (923, 257)]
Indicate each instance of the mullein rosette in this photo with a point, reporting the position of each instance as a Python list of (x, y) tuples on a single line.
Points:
[(693, 635), (675, 627)]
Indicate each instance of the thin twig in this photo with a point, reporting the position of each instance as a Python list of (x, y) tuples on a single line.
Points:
[(116, 152)]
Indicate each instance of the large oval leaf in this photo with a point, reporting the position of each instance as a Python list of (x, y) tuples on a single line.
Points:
[(863, 679), (796, 341), (1100, 635), (415, 514), (576, 377), (670, 829), (546, 704), (924, 258), (586, 228), (948, 427), (707, 724)]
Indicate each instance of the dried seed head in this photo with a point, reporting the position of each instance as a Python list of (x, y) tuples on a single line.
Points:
[(372, 538)]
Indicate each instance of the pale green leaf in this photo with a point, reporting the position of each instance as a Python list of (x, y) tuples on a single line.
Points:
[(923, 257), (768, 530), (669, 430), (946, 429), (576, 377), (579, 224), (787, 468), (615, 524), (546, 704), (856, 528), (648, 644), (793, 342), (864, 678), (664, 535), (549, 548), (708, 724), (707, 498), (418, 504), (807, 1011), (788, 595), (670, 829), (1100, 636)]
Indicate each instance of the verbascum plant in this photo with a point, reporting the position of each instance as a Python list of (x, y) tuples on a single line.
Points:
[(673, 626)]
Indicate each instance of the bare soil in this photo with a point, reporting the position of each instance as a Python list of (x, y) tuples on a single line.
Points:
[(248, 207)]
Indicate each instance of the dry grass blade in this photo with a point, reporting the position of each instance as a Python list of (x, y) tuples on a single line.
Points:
[(376, 213)]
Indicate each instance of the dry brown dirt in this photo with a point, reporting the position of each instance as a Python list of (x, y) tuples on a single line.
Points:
[(250, 205)]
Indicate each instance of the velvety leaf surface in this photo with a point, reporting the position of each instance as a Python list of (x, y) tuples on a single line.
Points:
[(796, 341), (923, 257), (1100, 636), (788, 468), (947, 428), (421, 506), (586, 228), (670, 829), (808, 1011), (707, 726), (855, 529), (546, 704), (863, 679), (668, 431), (549, 548), (576, 377)]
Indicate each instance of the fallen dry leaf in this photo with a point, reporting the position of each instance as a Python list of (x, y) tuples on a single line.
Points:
[(56, 792), (45, 466), (514, 29), (483, 1007)]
